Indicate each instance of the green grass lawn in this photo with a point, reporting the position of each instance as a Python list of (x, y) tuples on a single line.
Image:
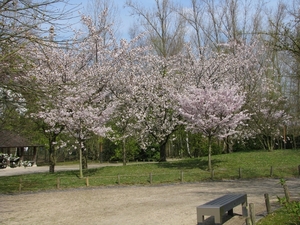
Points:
[(245, 165)]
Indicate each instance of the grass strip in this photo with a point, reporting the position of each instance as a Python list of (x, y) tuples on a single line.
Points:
[(245, 165)]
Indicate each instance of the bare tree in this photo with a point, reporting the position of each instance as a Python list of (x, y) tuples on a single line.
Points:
[(284, 41), (104, 14), (216, 22), (165, 29)]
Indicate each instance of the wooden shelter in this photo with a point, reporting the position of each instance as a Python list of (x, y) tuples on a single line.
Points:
[(12, 143)]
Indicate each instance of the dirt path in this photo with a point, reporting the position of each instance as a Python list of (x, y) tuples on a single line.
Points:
[(164, 205), (44, 169)]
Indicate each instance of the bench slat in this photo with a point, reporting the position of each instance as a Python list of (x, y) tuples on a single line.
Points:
[(224, 200)]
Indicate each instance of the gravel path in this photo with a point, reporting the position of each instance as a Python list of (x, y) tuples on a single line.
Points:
[(135, 205), (42, 169)]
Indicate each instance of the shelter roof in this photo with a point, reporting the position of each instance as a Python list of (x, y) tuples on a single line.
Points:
[(10, 139)]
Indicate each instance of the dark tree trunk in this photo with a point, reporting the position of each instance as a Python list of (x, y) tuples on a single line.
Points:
[(227, 147), (163, 149), (52, 136), (52, 154)]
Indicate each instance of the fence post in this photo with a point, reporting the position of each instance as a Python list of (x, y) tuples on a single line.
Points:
[(252, 213), (271, 171), (240, 172), (150, 178), (87, 181), (212, 174), (181, 176), (267, 201), (58, 183), (286, 192), (299, 170), (248, 221), (20, 185), (119, 179)]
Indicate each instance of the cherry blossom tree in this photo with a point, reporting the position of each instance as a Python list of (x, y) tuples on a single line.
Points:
[(77, 83), (148, 104), (72, 94), (155, 113), (213, 111)]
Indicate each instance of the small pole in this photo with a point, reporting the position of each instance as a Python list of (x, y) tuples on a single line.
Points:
[(267, 201), (286, 192), (58, 183), (119, 179), (240, 172), (271, 171), (181, 176), (252, 213), (299, 170), (212, 174), (20, 185), (87, 181), (150, 178)]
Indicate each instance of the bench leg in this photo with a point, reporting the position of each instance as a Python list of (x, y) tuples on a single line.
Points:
[(200, 219), (218, 218), (230, 212)]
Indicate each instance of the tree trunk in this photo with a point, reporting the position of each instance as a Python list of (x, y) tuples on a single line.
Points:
[(162, 151), (124, 152), (269, 143), (84, 159), (101, 150), (227, 145), (52, 155), (187, 145), (209, 154), (80, 162)]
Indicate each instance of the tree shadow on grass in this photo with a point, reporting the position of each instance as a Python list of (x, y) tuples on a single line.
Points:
[(90, 172), (189, 164)]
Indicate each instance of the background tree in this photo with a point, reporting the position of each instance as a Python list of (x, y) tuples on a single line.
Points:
[(112, 19), (165, 30), (283, 42), (215, 22)]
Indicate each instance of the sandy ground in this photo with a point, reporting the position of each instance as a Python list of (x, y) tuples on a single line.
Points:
[(160, 205)]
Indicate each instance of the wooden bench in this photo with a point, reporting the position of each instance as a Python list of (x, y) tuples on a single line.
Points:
[(219, 206)]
